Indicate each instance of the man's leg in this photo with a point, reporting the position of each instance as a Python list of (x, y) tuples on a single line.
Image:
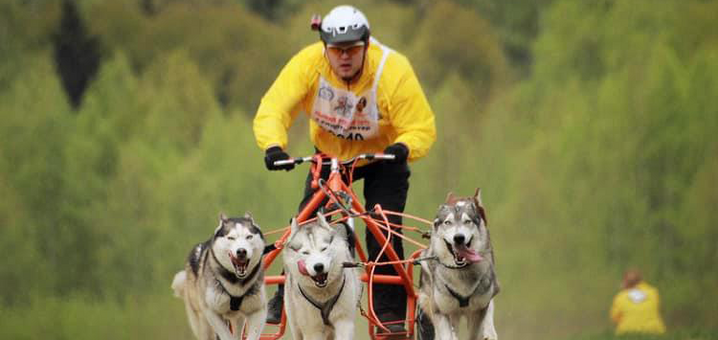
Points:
[(387, 184)]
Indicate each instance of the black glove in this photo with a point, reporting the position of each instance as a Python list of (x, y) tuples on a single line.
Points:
[(274, 154), (400, 152)]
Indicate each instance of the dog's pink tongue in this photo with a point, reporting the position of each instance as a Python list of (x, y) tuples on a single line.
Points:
[(302, 268), (469, 254)]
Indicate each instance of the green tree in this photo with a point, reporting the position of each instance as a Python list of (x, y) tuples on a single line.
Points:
[(453, 40), (33, 130), (76, 53), (178, 102)]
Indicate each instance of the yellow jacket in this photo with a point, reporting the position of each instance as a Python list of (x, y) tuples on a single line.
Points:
[(636, 310), (404, 113)]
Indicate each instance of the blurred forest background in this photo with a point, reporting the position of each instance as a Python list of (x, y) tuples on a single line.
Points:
[(125, 128)]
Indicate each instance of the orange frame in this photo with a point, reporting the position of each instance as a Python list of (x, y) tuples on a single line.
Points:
[(335, 183)]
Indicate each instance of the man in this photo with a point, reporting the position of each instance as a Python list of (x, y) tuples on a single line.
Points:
[(362, 97), (635, 309)]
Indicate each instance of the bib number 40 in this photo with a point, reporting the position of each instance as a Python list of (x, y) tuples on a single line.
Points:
[(349, 135)]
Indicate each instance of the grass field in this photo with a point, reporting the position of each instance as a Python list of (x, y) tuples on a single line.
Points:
[(674, 335), (162, 317)]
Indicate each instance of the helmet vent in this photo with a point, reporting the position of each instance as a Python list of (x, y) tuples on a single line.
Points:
[(342, 24)]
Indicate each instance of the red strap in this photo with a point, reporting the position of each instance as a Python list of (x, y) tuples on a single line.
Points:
[(316, 170)]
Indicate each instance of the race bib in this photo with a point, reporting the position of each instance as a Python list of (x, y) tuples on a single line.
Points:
[(637, 296), (345, 114)]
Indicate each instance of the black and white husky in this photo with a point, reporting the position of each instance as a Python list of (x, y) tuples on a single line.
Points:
[(460, 281), (222, 284), (321, 296)]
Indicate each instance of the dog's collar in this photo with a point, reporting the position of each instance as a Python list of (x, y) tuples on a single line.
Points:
[(453, 267), (325, 308)]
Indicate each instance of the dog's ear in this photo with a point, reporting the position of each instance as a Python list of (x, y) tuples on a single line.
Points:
[(480, 206), (294, 227), (323, 221), (248, 215), (222, 220), (450, 198), (255, 227), (345, 232), (477, 197)]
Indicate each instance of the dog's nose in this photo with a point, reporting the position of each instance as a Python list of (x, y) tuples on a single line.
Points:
[(319, 268), (241, 253), (459, 239)]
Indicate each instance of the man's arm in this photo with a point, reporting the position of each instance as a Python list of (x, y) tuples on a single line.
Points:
[(615, 312), (277, 109), (410, 112)]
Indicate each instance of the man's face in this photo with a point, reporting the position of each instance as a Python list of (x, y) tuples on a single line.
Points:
[(346, 59)]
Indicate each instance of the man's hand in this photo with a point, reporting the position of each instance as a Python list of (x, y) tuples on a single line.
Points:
[(274, 154), (399, 150)]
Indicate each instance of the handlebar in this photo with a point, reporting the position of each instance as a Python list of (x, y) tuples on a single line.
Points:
[(367, 156)]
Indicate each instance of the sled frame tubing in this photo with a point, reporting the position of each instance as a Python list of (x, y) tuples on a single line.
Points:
[(335, 183)]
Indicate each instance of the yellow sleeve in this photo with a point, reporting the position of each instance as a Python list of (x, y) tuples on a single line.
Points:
[(277, 109), (615, 312), (410, 113)]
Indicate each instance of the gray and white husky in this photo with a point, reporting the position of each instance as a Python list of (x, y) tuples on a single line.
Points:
[(460, 281), (222, 284), (321, 296)]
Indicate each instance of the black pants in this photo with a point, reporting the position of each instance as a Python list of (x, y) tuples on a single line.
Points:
[(385, 184)]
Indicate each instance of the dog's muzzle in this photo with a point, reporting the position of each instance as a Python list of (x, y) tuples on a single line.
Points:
[(240, 264), (320, 280), (463, 255)]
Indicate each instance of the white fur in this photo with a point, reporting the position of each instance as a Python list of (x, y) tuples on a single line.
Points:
[(319, 243), (207, 304), (475, 281)]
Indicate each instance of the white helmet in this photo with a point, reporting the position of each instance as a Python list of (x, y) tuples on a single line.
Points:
[(344, 24)]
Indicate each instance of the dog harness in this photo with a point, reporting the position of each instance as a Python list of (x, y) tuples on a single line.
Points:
[(324, 308), (464, 300)]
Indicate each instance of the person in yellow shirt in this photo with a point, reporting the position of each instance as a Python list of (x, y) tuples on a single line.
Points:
[(361, 97), (636, 307)]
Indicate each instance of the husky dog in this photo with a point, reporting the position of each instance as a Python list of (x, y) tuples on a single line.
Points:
[(460, 281), (321, 296), (222, 284)]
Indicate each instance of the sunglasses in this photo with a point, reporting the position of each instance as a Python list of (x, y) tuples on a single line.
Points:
[(338, 51)]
